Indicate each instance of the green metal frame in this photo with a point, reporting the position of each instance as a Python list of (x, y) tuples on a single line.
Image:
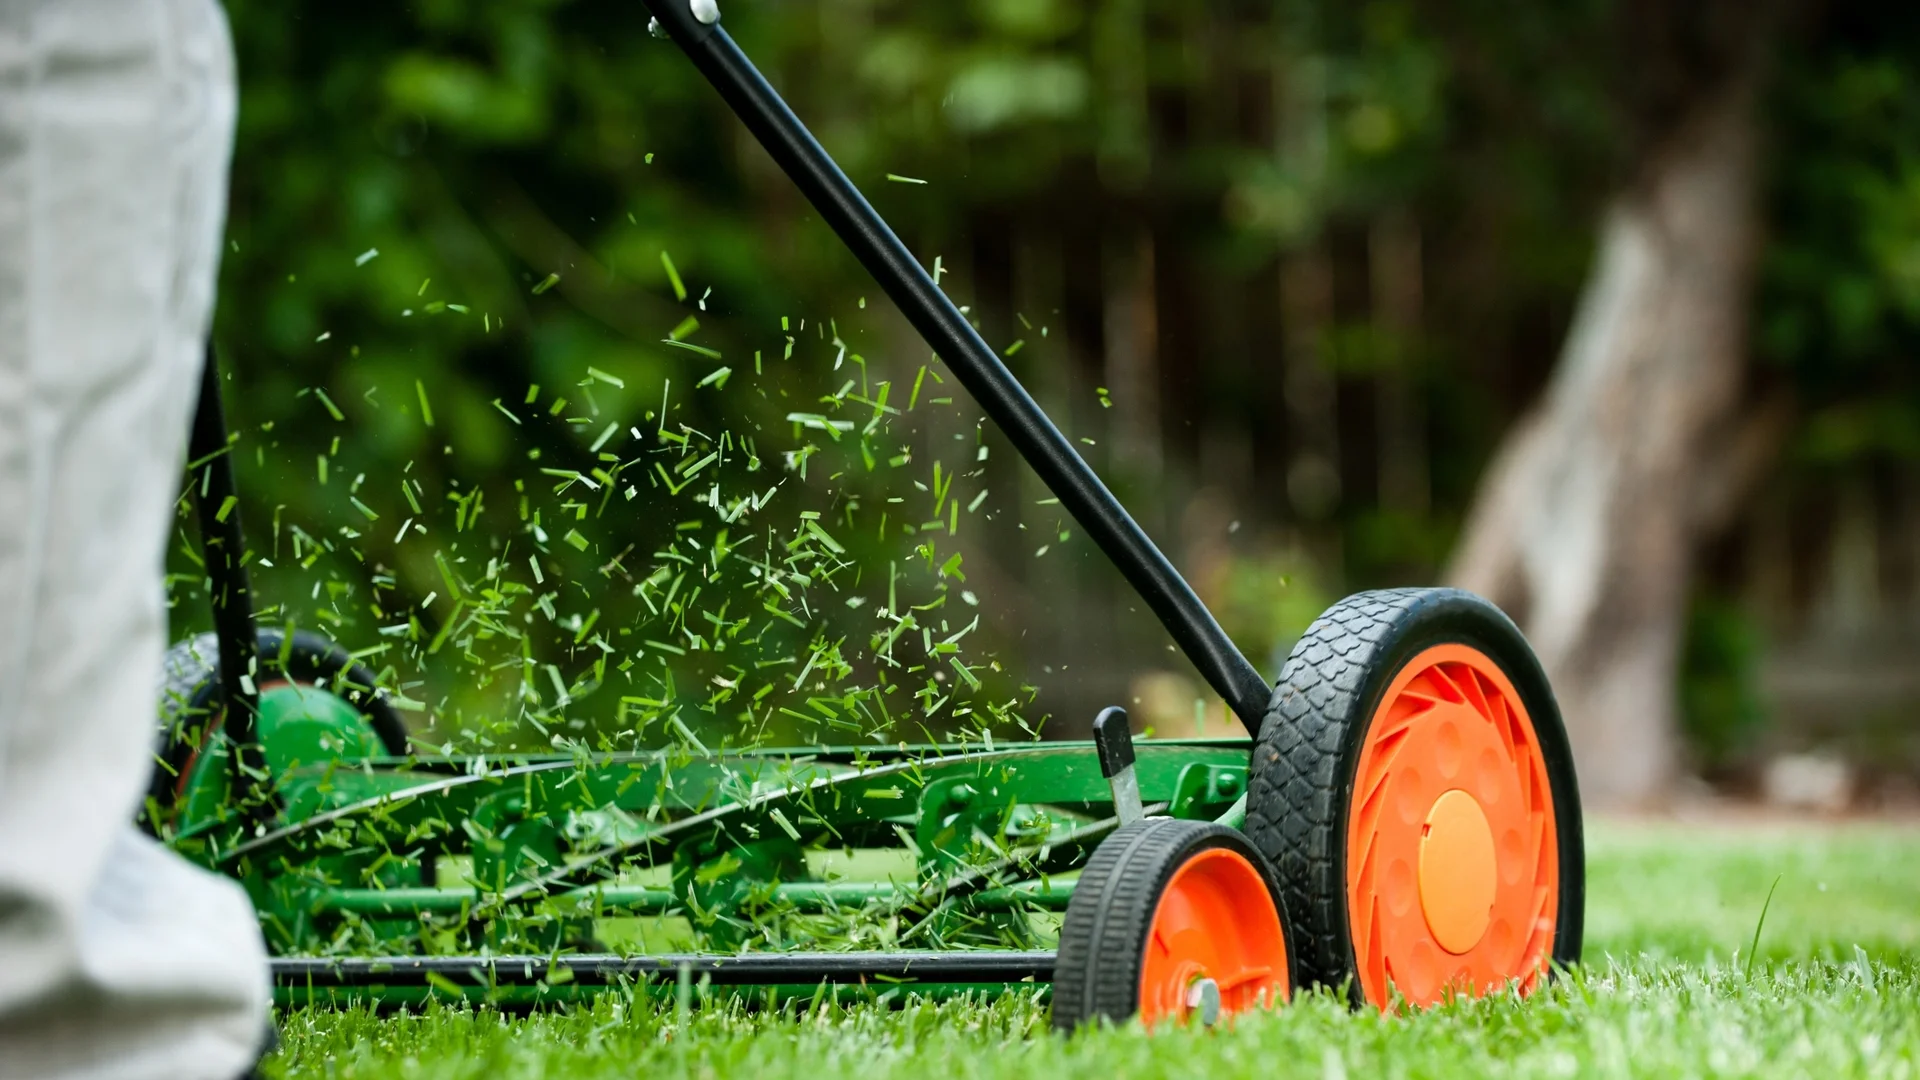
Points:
[(423, 855)]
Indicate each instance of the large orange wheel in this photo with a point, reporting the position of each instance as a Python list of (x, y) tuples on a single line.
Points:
[(1175, 922), (1413, 784)]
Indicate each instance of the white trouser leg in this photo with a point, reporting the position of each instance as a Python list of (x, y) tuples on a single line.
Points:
[(117, 959)]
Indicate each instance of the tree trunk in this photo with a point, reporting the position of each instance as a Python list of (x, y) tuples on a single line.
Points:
[(1588, 520)]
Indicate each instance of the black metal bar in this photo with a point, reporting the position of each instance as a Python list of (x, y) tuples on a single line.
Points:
[(224, 546), (1079, 488), (752, 969)]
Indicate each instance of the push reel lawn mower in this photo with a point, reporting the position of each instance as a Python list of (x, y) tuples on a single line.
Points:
[(1404, 824)]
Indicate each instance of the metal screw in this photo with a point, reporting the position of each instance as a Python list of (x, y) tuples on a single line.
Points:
[(654, 28), (707, 11), (1203, 1001)]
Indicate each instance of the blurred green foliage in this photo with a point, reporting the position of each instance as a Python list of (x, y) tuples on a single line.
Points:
[(1839, 312), (1836, 337), (1720, 706), (447, 203)]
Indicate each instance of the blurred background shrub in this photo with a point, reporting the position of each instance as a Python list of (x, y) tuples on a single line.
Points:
[(1289, 272)]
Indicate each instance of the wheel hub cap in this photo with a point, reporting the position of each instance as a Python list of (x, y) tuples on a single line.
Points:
[(1458, 871)]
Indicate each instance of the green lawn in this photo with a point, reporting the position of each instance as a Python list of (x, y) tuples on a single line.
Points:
[(1834, 991)]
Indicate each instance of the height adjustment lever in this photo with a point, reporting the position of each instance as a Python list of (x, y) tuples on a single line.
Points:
[(1113, 737)]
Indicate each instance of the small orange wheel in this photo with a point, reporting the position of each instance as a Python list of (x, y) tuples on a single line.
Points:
[(1174, 921), (1414, 784)]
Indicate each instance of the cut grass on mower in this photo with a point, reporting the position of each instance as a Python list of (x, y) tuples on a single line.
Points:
[(1668, 990)]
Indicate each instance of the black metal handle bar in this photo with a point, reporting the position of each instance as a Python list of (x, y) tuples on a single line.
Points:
[(223, 545), (1079, 488)]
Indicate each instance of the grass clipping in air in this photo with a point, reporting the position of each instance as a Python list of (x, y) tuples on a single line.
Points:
[(731, 553)]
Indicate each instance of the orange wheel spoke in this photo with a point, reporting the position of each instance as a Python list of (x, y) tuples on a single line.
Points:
[(1406, 710), (1390, 743), (1241, 976), (1470, 685), (1437, 686)]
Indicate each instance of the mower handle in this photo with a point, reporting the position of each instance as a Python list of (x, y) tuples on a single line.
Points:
[(695, 26), (223, 547)]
